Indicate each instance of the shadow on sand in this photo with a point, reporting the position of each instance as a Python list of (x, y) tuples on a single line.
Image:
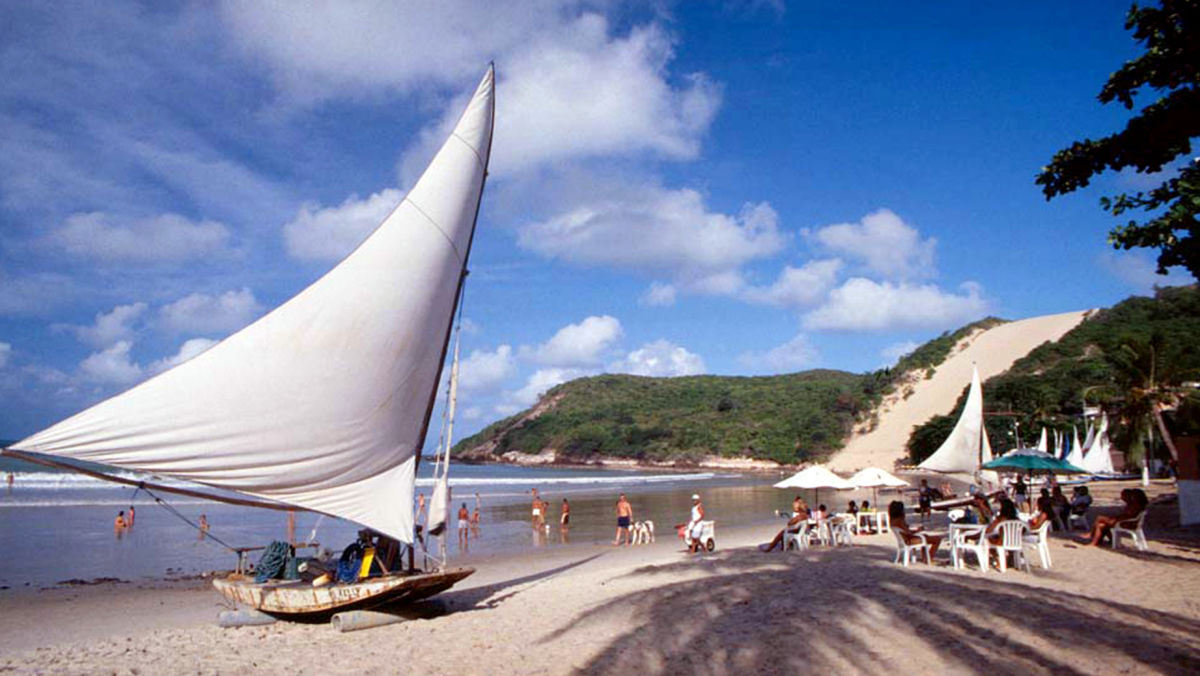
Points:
[(815, 611)]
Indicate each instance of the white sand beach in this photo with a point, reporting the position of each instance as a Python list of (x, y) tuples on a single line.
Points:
[(654, 609), (993, 351)]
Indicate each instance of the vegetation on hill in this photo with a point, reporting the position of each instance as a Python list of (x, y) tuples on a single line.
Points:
[(788, 418), (1048, 387)]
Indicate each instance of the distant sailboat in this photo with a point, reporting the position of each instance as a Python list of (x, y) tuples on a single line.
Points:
[(324, 403), (967, 447), (1097, 456)]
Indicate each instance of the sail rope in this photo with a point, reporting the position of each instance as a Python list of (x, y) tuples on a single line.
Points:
[(171, 508)]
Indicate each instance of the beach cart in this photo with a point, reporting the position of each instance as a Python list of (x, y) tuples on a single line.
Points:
[(708, 534)]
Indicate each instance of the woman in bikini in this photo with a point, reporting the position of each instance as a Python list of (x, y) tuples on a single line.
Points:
[(911, 534)]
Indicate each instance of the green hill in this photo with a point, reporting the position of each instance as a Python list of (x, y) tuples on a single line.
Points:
[(787, 418), (1047, 386)]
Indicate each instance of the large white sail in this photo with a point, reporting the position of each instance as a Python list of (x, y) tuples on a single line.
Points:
[(962, 450), (324, 402)]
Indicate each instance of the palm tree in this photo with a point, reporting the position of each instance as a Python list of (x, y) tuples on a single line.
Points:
[(1146, 382)]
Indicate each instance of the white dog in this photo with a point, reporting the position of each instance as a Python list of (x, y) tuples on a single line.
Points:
[(642, 533)]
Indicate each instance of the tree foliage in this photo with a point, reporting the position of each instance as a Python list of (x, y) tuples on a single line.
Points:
[(1105, 360), (1161, 132)]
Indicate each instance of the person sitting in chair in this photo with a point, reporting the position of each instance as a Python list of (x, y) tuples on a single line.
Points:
[(1135, 503), (911, 534), (794, 524)]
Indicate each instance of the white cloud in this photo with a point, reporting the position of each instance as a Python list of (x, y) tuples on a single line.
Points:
[(660, 358), (5, 353), (111, 327), (793, 355), (1137, 269), (482, 370), (658, 295), (862, 305), (111, 366), (571, 87), (110, 239), (202, 313), (329, 233), (189, 349), (656, 231), (541, 381), (883, 243), (582, 344), (798, 287), (892, 353)]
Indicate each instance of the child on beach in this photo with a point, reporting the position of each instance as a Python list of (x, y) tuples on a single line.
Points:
[(119, 523), (624, 520), (203, 526)]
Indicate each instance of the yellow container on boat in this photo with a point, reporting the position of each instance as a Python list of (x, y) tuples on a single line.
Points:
[(368, 559)]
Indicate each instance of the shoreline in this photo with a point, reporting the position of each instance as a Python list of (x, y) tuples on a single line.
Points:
[(654, 609)]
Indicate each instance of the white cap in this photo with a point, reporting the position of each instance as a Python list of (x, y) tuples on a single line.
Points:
[(695, 496)]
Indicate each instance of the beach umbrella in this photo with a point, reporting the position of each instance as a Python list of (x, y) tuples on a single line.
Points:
[(875, 478), (815, 478), (1032, 460)]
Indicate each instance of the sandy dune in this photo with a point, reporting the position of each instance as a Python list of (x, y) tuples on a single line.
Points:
[(994, 351)]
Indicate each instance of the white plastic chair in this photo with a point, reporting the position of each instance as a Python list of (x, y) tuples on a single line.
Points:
[(1038, 541), (842, 534), (801, 538), (960, 545), (1012, 540), (1132, 528), (904, 550), (850, 521)]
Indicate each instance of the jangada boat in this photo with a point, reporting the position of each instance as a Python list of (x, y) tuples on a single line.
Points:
[(324, 403)]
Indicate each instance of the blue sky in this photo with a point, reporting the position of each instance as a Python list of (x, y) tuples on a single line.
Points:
[(676, 188)]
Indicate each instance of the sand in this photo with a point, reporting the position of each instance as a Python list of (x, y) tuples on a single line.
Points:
[(993, 351), (654, 609)]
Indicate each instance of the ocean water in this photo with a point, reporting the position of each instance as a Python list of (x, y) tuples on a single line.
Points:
[(57, 526)]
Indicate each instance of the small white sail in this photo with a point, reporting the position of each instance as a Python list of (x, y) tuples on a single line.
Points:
[(1098, 459), (963, 449), (1042, 445), (1077, 449), (324, 402)]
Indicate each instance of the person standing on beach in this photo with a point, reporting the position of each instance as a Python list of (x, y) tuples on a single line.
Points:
[(129, 522), (119, 524), (203, 526), (694, 527), (624, 520), (538, 518), (464, 522), (10, 482)]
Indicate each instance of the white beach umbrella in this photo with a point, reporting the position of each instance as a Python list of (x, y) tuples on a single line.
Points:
[(815, 478), (875, 478)]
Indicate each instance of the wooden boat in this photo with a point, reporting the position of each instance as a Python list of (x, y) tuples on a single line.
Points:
[(299, 600), (324, 403)]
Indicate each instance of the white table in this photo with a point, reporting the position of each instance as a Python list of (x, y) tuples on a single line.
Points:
[(882, 522)]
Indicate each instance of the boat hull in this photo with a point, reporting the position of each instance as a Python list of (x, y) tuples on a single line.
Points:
[(296, 600)]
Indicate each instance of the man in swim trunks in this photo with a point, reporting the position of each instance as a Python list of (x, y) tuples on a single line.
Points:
[(624, 520), (539, 515), (464, 522)]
